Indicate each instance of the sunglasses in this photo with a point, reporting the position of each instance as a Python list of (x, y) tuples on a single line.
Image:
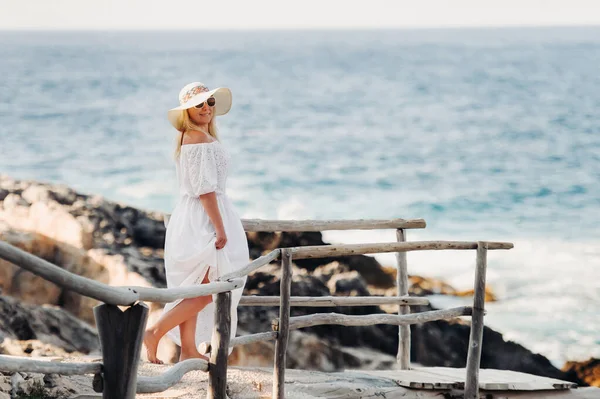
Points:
[(211, 103)]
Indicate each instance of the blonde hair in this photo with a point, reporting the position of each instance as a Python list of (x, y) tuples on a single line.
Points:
[(185, 123)]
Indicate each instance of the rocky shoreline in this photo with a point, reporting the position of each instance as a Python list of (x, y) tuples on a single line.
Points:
[(119, 245)]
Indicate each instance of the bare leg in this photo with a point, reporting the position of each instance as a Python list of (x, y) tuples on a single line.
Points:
[(171, 319), (189, 348)]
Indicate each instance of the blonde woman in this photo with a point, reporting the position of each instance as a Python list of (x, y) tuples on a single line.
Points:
[(205, 238)]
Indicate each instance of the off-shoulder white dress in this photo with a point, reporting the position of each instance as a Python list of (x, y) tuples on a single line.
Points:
[(190, 250)]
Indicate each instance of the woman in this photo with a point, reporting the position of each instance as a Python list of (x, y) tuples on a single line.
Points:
[(205, 238)]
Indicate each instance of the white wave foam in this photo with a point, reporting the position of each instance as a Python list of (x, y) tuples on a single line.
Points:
[(146, 189), (293, 209)]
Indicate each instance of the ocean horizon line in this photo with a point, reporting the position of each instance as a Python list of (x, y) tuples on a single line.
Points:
[(310, 29)]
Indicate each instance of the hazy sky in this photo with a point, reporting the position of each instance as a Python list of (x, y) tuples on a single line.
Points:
[(277, 14)]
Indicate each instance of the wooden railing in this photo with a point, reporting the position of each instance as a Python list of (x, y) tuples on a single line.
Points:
[(121, 332)]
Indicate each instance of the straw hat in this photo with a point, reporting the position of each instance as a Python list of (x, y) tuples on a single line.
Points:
[(194, 93)]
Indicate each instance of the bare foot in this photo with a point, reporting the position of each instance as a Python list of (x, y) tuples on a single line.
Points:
[(151, 343), (194, 355)]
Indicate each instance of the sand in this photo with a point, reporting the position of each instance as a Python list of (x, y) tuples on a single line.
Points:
[(256, 382)]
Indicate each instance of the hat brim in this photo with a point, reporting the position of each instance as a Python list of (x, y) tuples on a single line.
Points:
[(222, 106)]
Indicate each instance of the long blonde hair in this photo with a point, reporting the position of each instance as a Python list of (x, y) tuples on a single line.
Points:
[(185, 123)]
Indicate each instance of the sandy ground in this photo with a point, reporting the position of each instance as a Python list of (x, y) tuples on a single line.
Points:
[(256, 382)]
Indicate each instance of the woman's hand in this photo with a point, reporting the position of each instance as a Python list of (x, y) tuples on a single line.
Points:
[(221, 239)]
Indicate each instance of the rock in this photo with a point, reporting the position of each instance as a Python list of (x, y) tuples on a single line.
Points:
[(367, 266), (325, 272), (31, 384), (266, 282), (63, 194), (370, 270), (51, 380), (133, 266), (12, 201), (49, 219), (36, 193), (82, 221), (5, 385), (58, 386), (588, 371), (348, 284), (86, 235), (445, 343), (309, 352), (50, 325), (34, 347), (422, 286), (17, 282), (120, 245), (36, 385), (489, 294), (8, 183), (149, 233), (15, 381)]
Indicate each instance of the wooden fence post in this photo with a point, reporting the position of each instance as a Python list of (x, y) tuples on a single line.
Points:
[(284, 320), (217, 367), (121, 335), (476, 336), (403, 357)]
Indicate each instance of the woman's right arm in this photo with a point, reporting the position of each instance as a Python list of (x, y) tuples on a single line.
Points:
[(209, 199), (209, 202)]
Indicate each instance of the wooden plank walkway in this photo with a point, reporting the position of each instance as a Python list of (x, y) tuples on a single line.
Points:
[(454, 378)]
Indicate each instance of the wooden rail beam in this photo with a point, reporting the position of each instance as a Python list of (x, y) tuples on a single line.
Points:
[(121, 334), (476, 335), (205, 347), (369, 320), (165, 295), (329, 301), (284, 332), (325, 225), (24, 364), (217, 368), (403, 356), (160, 383), (252, 266), (64, 279), (325, 251)]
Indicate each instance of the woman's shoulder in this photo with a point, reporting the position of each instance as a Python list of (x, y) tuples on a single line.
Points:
[(192, 137), (199, 150)]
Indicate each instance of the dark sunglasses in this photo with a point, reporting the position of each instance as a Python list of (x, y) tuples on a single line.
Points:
[(211, 103)]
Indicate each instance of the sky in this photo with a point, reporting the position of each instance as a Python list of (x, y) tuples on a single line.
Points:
[(291, 14)]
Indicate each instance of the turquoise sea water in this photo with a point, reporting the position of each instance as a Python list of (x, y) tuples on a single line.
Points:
[(487, 134)]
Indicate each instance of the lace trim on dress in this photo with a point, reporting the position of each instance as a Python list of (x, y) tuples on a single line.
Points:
[(207, 166)]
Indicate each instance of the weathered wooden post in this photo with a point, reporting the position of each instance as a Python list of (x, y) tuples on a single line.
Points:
[(217, 367), (121, 334), (283, 327), (476, 336), (403, 357)]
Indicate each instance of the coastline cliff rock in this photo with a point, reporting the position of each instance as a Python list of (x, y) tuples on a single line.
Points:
[(119, 245), (588, 371)]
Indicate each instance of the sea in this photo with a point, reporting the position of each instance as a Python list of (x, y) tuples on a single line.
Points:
[(487, 134)]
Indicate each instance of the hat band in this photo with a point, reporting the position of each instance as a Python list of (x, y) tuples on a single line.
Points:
[(192, 92)]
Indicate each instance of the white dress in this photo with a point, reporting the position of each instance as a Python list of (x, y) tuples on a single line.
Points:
[(190, 237)]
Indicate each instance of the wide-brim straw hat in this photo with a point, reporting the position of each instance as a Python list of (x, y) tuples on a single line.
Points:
[(193, 94)]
